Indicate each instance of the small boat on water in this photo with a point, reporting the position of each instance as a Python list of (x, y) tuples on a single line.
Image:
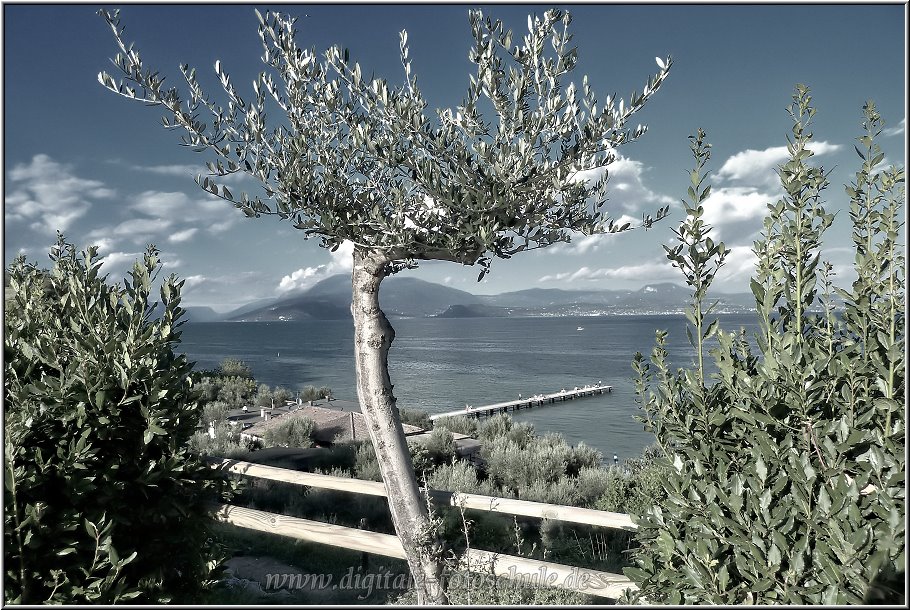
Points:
[(580, 328)]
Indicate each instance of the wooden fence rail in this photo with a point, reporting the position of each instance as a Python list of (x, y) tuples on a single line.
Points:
[(530, 571), (591, 582), (509, 506)]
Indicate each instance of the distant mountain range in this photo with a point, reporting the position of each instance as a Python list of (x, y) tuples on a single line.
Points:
[(330, 299)]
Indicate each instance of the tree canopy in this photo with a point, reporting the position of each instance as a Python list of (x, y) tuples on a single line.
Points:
[(360, 160)]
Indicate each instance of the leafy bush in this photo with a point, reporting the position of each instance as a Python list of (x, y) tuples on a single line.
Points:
[(235, 391), (215, 411), (440, 446), (459, 476), (591, 483), (313, 393), (343, 455), (517, 468), (232, 367), (494, 427), (415, 417), (786, 475), (522, 433), (103, 501), (227, 443), (460, 424), (281, 396), (634, 486), (366, 466), (563, 491), (296, 431)]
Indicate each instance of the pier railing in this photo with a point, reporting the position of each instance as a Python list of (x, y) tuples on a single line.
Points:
[(527, 403), (591, 582)]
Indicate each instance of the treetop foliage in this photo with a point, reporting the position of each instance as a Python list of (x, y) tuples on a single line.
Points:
[(360, 160)]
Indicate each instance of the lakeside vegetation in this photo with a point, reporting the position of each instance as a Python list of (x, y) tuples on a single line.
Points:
[(553, 472), (516, 463)]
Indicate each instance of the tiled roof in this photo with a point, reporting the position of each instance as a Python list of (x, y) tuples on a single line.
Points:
[(332, 425)]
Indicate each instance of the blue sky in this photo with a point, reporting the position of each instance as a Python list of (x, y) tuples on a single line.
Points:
[(101, 168)]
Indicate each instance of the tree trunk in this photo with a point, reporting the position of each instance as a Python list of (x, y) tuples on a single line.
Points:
[(373, 335)]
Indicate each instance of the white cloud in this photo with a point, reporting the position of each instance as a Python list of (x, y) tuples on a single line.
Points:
[(116, 263), (626, 188), (734, 275), (172, 216), (650, 271), (189, 171), (342, 261), (192, 281), (140, 227), (220, 291), (896, 130), (169, 170), (182, 236), (757, 167), (135, 230), (298, 279), (104, 244), (736, 205), (343, 257), (738, 267), (49, 195), (180, 207)]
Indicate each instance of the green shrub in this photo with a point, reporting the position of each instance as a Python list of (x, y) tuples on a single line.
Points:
[(227, 442), (235, 391), (104, 501), (786, 474), (494, 427), (591, 484), (440, 446), (264, 397), (281, 396), (215, 411), (582, 456), (343, 455), (562, 491), (296, 431), (634, 486), (460, 424), (522, 433), (459, 476), (313, 393), (517, 468), (366, 466), (206, 388), (415, 417), (232, 367)]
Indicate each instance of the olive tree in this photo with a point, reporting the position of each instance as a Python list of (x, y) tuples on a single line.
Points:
[(355, 159)]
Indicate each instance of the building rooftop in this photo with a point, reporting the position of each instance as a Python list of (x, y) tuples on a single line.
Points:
[(336, 422)]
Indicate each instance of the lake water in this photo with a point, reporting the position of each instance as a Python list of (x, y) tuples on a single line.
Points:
[(440, 364)]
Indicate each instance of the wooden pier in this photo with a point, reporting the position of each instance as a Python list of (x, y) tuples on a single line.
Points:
[(527, 403)]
